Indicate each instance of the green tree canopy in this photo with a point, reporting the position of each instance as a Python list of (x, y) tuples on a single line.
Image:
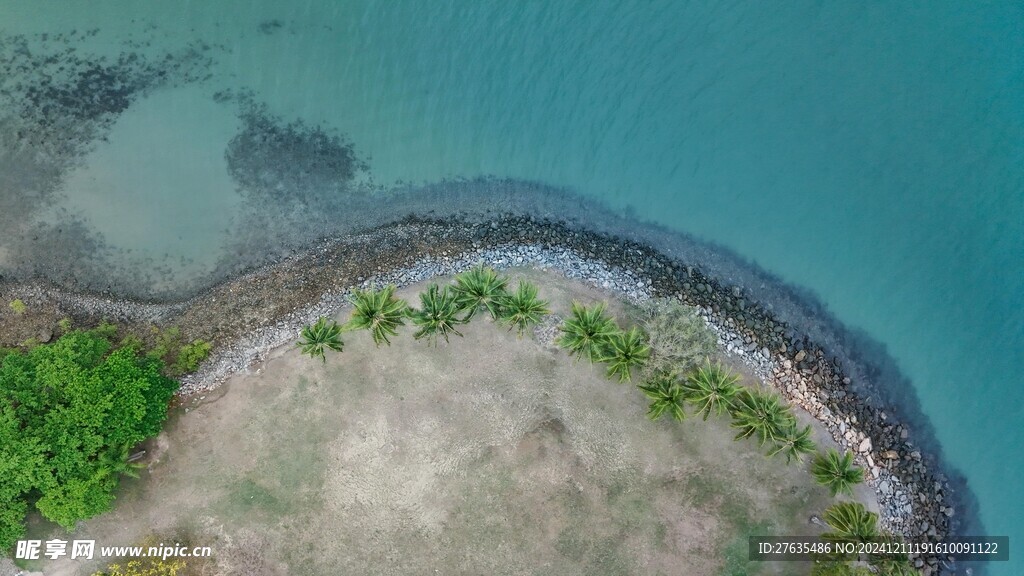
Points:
[(70, 412)]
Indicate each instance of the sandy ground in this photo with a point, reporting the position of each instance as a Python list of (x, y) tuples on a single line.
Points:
[(490, 455)]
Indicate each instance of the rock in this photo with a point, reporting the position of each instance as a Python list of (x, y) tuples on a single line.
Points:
[(45, 335), (865, 445), (800, 356), (891, 455)]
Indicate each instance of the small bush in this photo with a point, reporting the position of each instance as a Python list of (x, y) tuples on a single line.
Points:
[(18, 307), (105, 330), (166, 342), (190, 355), (145, 567), (131, 341), (30, 343), (4, 352), (169, 346), (677, 335), (65, 325)]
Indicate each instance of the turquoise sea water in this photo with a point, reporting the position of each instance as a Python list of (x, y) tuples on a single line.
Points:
[(871, 153)]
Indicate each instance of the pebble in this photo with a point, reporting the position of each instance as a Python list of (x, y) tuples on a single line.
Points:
[(742, 327)]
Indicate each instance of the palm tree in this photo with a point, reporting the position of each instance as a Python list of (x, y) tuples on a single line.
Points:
[(850, 521), (624, 351), (711, 388), (324, 334), (836, 472), (522, 308), (666, 395), (438, 314), (588, 331), (377, 311), (760, 412), (794, 443), (480, 288)]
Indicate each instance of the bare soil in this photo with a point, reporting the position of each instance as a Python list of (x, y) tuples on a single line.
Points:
[(492, 454)]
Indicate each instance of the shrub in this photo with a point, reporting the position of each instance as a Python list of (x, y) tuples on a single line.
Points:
[(145, 567), (678, 336), (190, 355), (131, 341), (18, 307), (105, 330), (179, 357), (70, 411), (167, 341), (4, 352), (30, 343)]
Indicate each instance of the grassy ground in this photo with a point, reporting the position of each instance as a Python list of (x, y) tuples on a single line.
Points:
[(490, 455)]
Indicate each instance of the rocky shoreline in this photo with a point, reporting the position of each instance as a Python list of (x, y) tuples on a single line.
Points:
[(251, 314)]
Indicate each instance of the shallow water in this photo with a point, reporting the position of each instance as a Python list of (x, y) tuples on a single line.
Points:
[(871, 154)]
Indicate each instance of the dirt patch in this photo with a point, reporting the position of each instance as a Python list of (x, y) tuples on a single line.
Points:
[(490, 455)]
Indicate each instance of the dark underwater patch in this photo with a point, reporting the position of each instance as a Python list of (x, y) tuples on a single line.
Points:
[(56, 102), (292, 163)]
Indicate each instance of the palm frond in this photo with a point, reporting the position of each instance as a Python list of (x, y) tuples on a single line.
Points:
[(836, 472), (711, 389), (480, 288), (850, 521), (794, 443), (623, 351), (377, 311), (666, 396), (587, 331), (438, 314), (522, 309), (323, 335), (760, 413)]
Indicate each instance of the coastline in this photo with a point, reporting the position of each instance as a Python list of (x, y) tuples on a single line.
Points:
[(247, 316)]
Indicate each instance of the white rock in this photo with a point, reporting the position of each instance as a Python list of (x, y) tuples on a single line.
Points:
[(865, 445)]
